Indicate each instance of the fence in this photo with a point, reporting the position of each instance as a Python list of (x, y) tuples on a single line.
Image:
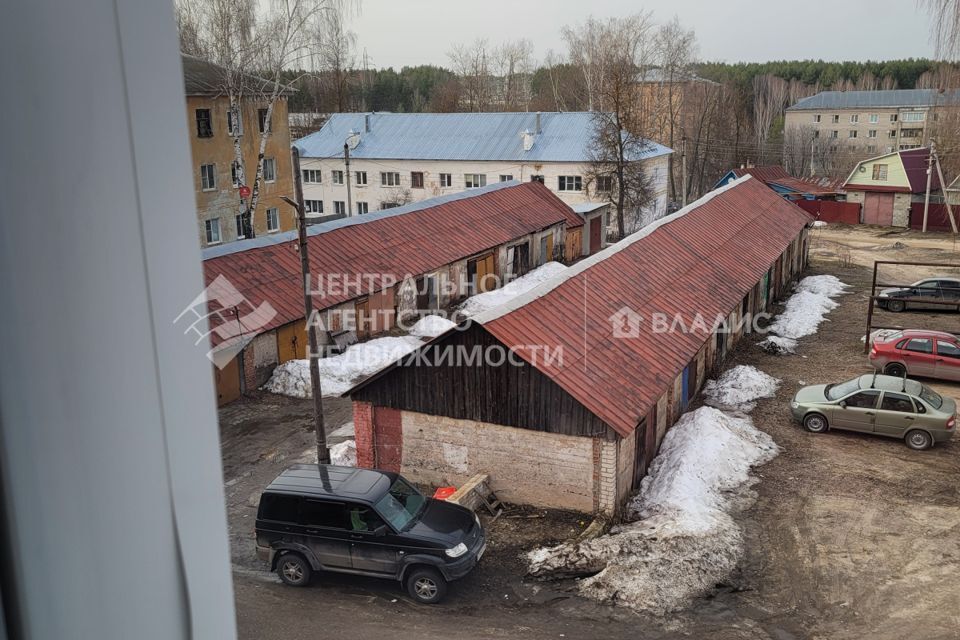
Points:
[(937, 218), (832, 211)]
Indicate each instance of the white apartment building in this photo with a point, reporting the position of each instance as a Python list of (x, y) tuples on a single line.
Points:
[(397, 158)]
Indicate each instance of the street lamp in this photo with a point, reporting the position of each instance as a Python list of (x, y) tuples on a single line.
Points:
[(353, 139)]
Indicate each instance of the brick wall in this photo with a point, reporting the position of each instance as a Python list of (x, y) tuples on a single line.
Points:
[(606, 500), (526, 467), (387, 438), (363, 433)]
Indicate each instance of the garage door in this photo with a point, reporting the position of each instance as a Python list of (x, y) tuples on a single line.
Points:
[(292, 341), (227, 381), (878, 209), (595, 228)]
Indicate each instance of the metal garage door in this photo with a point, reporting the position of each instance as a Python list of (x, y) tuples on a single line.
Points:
[(878, 209), (227, 381)]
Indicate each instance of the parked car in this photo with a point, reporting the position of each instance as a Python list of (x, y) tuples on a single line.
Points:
[(362, 521), (920, 294), (880, 404), (927, 354)]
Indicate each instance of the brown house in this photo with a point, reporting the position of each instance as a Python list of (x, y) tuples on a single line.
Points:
[(212, 155)]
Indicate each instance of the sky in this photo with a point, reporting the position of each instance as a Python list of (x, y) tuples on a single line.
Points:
[(409, 32)]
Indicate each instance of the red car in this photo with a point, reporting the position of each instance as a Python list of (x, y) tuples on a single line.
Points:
[(928, 354)]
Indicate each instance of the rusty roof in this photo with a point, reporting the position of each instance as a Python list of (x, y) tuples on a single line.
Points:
[(388, 247), (701, 260), (777, 175)]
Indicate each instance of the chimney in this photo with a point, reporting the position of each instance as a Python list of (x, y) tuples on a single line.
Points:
[(527, 140), (366, 122), (539, 128)]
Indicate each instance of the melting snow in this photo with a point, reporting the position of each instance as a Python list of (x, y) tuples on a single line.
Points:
[(344, 454), (339, 373), (431, 326), (804, 312), (739, 388), (483, 301)]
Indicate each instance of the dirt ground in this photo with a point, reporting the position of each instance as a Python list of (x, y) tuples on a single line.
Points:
[(851, 536)]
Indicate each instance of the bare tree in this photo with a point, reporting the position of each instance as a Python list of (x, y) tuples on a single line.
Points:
[(471, 63), (769, 101), (252, 43), (945, 30), (335, 54), (588, 52), (512, 66), (676, 49)]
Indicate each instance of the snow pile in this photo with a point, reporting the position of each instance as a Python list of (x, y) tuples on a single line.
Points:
[(819, 223), (804, 312), (431, 326), (344, 454), (484, 301), (738, 388), (339, 373), (685, 541)]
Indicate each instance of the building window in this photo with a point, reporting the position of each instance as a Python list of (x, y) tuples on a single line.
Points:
[(212, 228), (262, 122), (893, 133), (506, 177), (361, 178), (854, 118), (816, 118), (235, 174), (570, 183), (872, 133), (240, 227), (269, 170), (604, 184), (914, 116), (416, 179), (389, 179), (836, 119), (446, 179), (874, 118), (313, 206), (852, 133), (336, 176), (893, 117), (208, 177), (340, 207), (871, 148), (816, 134), (312, 176), (204, 124), (834, 134), (538, 178), (880, 172), (474, 180), (362, 208), (389, 205), (273, 220), (911, 133), (230, 128)]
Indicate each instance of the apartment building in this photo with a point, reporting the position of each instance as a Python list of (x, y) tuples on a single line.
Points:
[(218, 192), (870, 122), (398, 158)]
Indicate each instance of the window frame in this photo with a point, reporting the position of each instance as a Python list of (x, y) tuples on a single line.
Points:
[(881, 172), (563, 184), (506, 177), (360, 178), (238, 224), (899, 397), (389, 178), (208, 132), (212, 186), (446, 180), (947, 343), (416, 180), (364, 205), (207, 226), (339, 207), (469, 180), (276, 217), (273, 170), (313, 173), (264, 125), (308, 207), (336, 176), (906, 347)]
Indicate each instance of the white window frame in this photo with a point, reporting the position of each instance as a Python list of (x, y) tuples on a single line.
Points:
[(210, 225), (506, 177), (854, 118), (570, 184), (311, 206), (872, 133), (880, 172), (874, 118), (273, 228), (816, 118), (446, 180), (474, 180), (852, 133), (360, 178), (312, 176), (914, 116), (212, 183), (237, 219), (362, 207), (836, 118), (336, 176), (607, 179), (339, 207), (272, 162), (234, 174), (389, 178)]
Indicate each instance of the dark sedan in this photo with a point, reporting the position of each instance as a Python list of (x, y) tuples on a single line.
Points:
[(925, 294)]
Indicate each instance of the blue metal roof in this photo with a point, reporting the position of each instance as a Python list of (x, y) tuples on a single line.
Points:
[(880, 99), (563, 137)]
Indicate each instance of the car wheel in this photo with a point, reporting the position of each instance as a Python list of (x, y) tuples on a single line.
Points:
[(815, 423), (426, 585), (918, 440), (895, 369), (896, 306), (294, 569)]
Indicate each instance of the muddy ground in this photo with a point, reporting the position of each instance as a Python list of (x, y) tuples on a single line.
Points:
[(851, 536)]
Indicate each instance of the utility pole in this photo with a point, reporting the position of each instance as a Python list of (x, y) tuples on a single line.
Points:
[(346, 161), (323, 454), (926, 199), (943, 189), (683, 170)]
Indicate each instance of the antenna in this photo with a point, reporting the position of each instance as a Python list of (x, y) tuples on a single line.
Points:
[(873, 383), (903, 388)]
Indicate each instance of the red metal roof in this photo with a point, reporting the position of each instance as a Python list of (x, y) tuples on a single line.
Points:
[(915, 163), (703, 260), (387, 248), (776, 174)]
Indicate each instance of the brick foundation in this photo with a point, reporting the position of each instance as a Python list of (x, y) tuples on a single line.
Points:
[(363, 434)]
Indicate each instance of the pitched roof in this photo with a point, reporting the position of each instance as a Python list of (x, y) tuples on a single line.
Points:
[(562, 137), (915, 163), (886, 99), (204, 78), (777, 175), (698, 262), (386, 246)]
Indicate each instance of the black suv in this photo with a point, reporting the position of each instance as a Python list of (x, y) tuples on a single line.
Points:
[(368, 522)]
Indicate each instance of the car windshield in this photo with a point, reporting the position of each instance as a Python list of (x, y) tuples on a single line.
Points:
[(837, 391), (930, 396), (401, 504)]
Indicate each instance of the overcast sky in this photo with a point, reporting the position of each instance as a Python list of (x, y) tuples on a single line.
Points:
[(410, 32)]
